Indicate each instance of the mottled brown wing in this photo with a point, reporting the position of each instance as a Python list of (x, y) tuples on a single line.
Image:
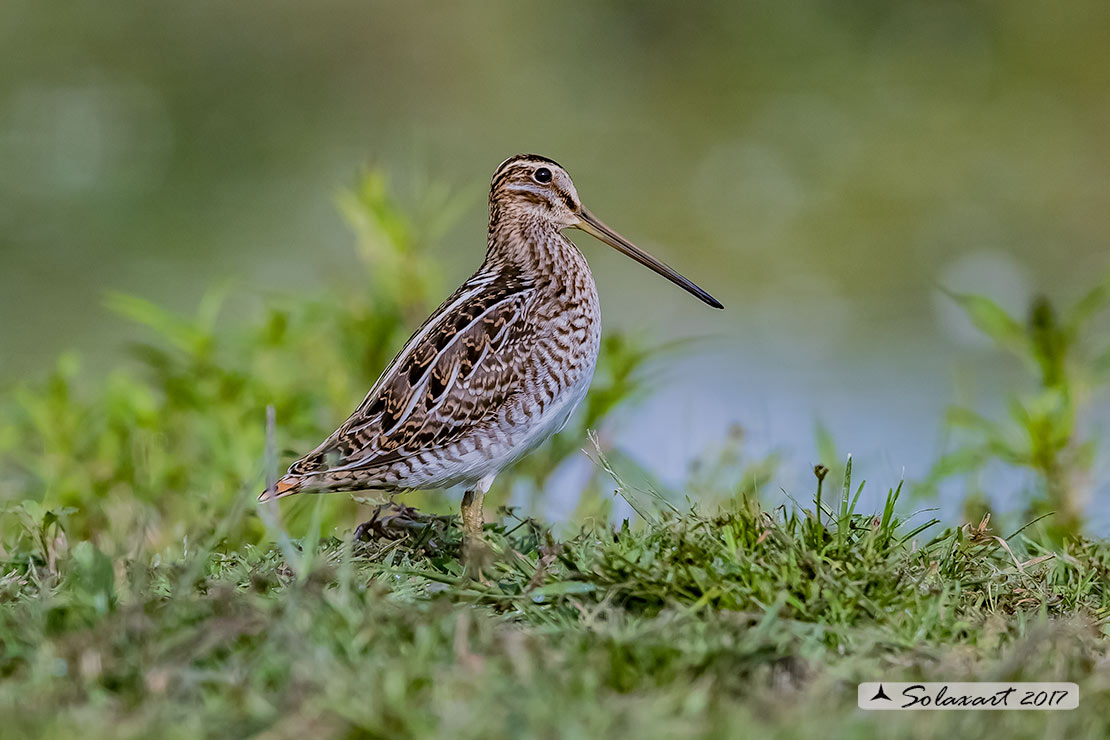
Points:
[(456, 370)]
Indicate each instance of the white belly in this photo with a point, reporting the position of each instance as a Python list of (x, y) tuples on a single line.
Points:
[(515, 442)]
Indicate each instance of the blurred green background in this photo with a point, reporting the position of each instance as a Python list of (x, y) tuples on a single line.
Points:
[(822, 167)]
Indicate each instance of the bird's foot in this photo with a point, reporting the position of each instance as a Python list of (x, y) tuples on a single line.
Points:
[(477, 558), (392, 521)]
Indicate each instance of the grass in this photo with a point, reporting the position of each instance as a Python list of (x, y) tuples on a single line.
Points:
[(143, 594), (732, 623)]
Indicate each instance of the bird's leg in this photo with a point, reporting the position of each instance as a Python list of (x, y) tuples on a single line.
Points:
[(476, 553), (471, 513)]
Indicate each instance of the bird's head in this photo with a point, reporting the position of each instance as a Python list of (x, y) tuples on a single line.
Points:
[(531, 188)]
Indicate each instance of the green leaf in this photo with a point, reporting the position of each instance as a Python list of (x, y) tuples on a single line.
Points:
[(958, 416), (1087, 306), (94, 574), (993, 321), (961, 461), (563, 588), (177, 331)]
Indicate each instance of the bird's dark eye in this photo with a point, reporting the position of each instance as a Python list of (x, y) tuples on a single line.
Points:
[(542, 175)]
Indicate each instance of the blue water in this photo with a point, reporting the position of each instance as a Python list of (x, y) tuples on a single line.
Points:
[(885, 410)]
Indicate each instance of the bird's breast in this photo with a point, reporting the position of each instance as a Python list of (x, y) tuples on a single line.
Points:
[(567, 319), (555, 375)]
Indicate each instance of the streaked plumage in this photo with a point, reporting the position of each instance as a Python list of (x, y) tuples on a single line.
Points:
[(496, 369)]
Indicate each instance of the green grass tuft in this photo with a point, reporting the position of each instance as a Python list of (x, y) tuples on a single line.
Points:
[(728, 623)]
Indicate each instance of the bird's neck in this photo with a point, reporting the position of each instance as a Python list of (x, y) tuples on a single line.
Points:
[(530, 245)]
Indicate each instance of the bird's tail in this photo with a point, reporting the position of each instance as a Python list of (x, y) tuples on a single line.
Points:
[(286, 486)]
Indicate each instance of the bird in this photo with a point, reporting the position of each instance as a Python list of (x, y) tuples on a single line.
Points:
[(498, 368)]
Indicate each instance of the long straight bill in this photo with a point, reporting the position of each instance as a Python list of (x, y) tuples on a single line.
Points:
[(596, 228)]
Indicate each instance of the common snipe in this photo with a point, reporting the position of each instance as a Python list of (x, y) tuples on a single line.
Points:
[(495, 370)]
